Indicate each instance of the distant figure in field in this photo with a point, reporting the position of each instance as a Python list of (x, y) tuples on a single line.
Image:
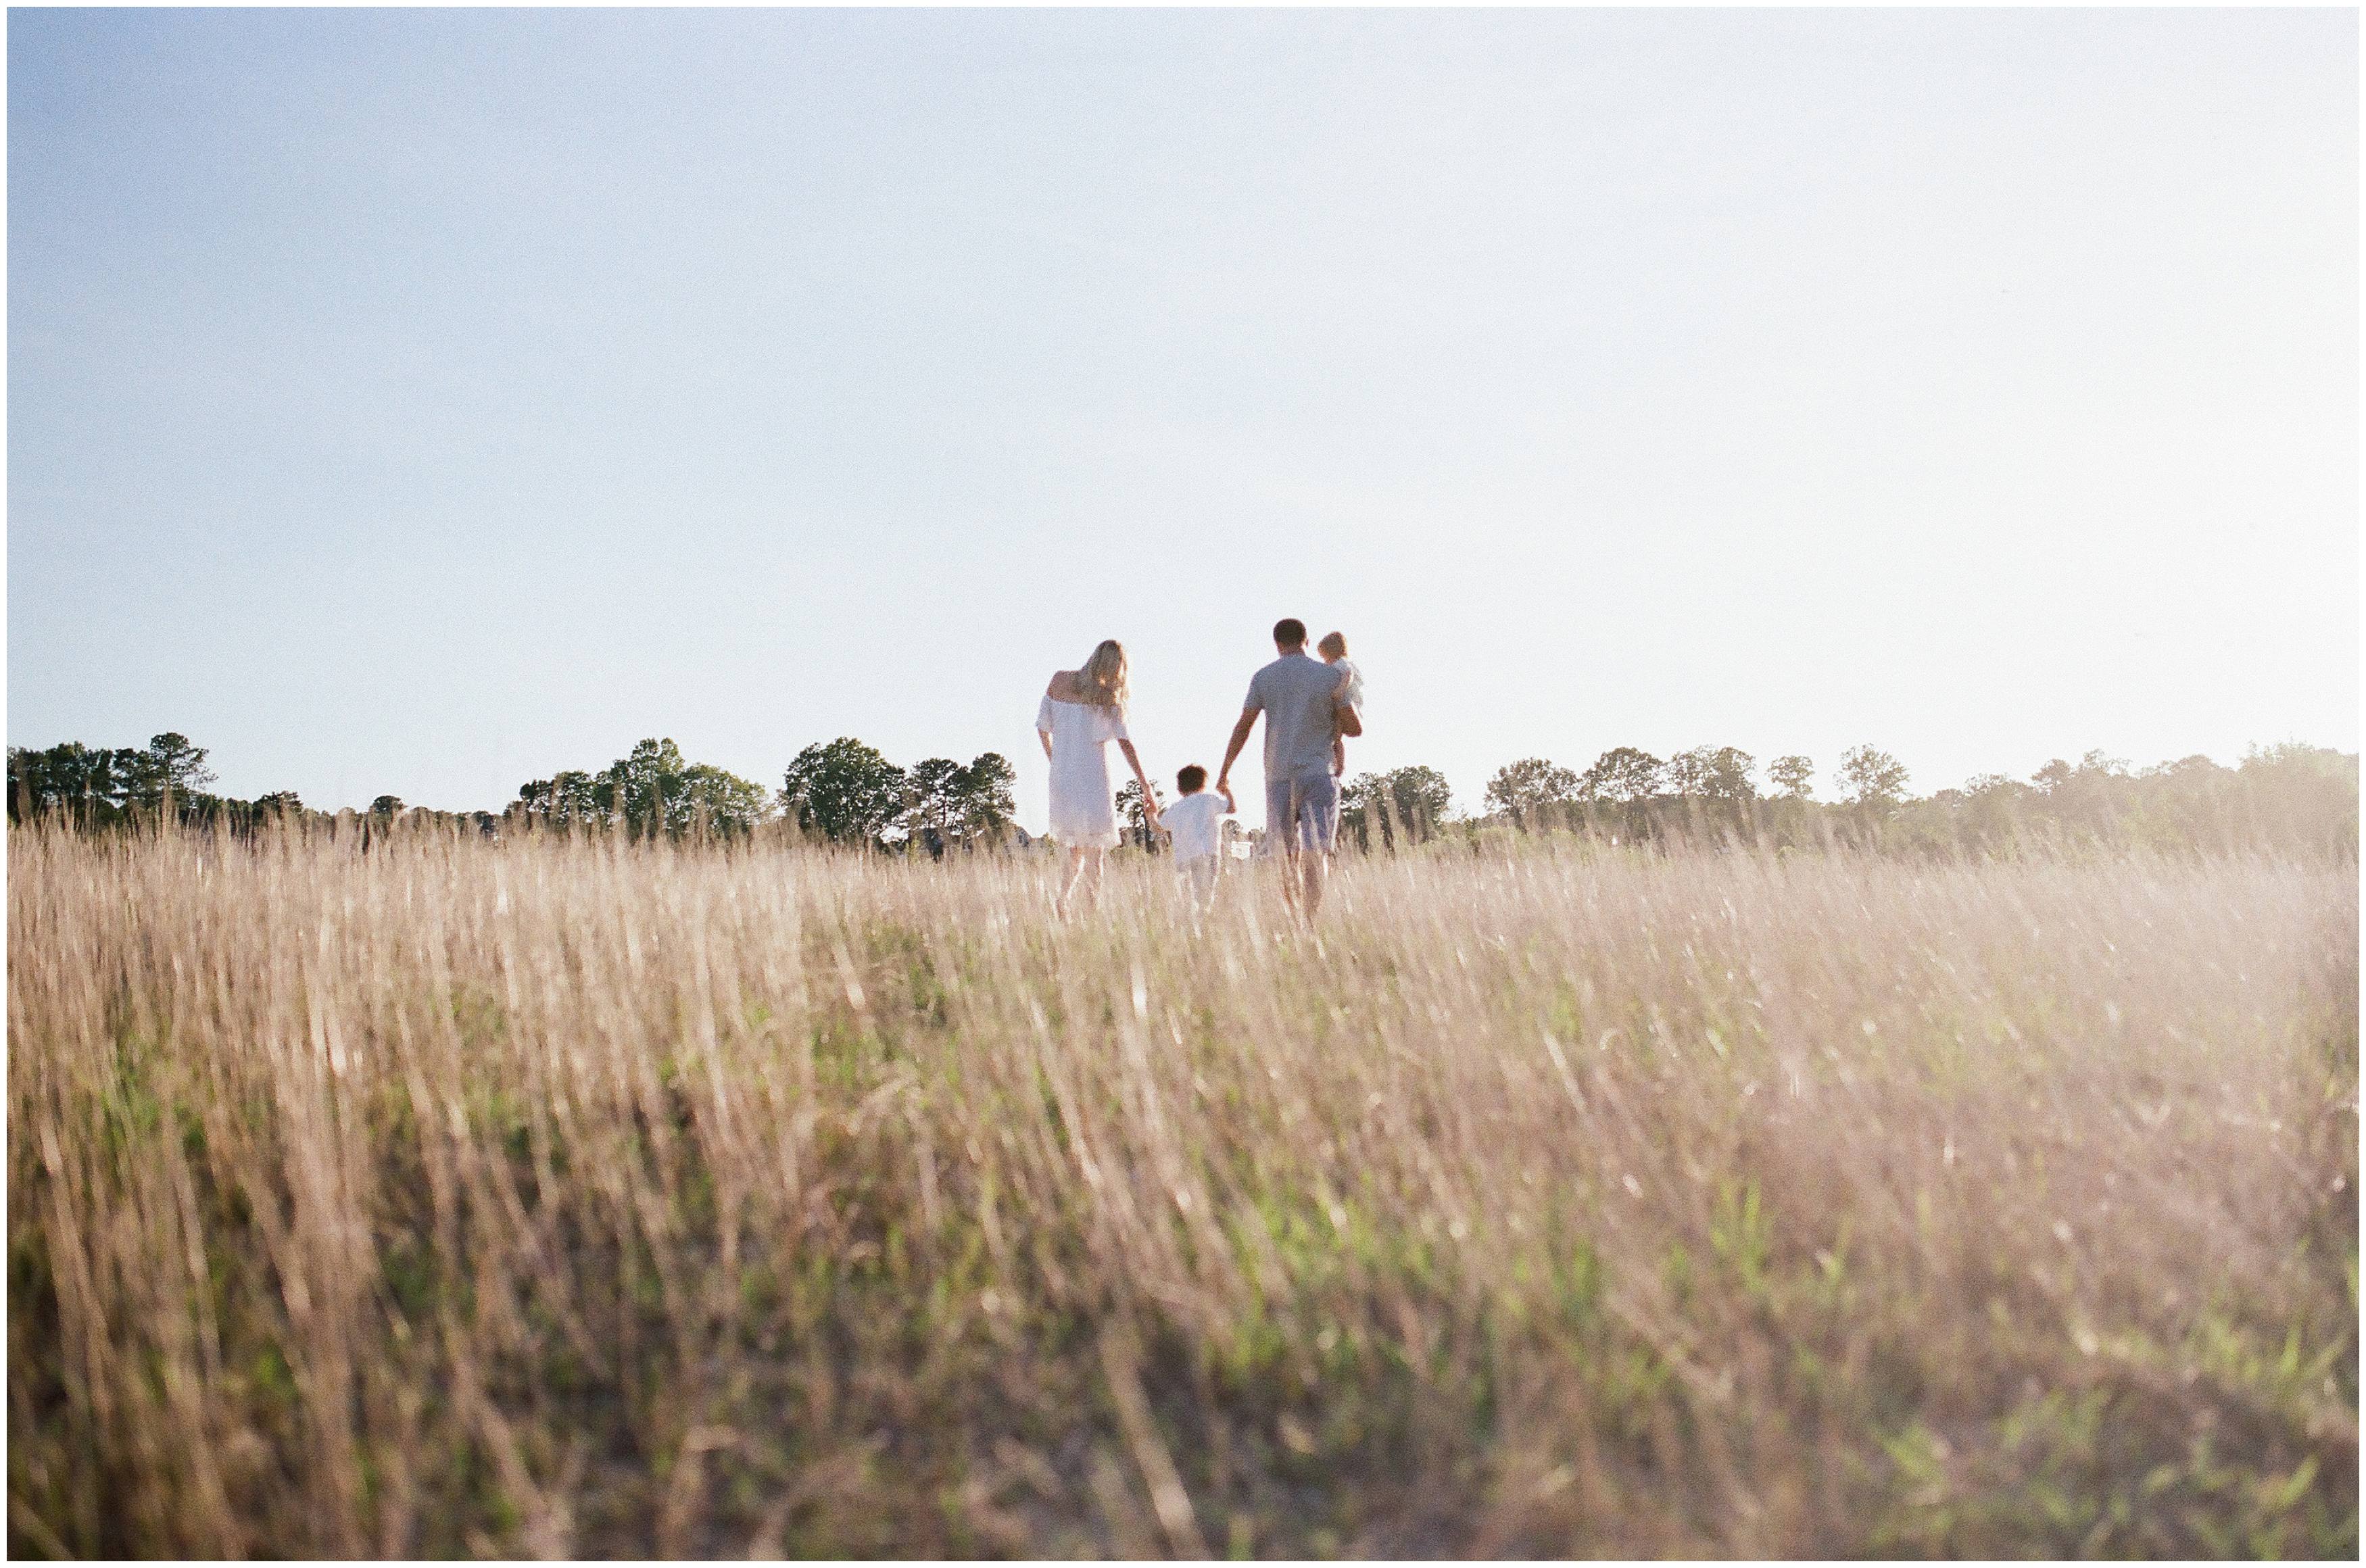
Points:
[(1334, 649), (1306, 712), (1082, 712)]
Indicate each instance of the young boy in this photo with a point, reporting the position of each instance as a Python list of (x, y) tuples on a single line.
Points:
[(1195, 825), (1334, 649)]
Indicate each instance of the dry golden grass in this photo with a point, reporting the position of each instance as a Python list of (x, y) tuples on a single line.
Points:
[(571, 1198)]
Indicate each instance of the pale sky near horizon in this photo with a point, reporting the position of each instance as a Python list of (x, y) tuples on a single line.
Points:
[(428, 401)]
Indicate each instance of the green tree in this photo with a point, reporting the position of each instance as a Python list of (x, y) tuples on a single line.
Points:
[(722, 802), (1991, 809), (843, 790), (180, 764), (1793, 774), (1713, 773), (97, 787), (386, 807), (169, 763), (1136, 820), (2085, 801), (1364, 814), (961, 804), (1421, 797), (568, 799), (654, 791), (87, 782), (2187, 769), (27, 798), (934, 797), (2301, 797), (1411, 801), (986, 790), (2085, 783), (1532, 788), (1872, 778), (1622, 774), (644, 787), (651, 790)]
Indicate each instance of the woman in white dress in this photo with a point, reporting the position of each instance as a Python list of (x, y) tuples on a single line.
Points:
[(1083, 711)]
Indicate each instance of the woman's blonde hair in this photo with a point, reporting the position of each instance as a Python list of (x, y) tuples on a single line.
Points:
[(1102, 682)]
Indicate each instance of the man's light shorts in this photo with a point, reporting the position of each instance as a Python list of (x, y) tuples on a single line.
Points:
[(1303, 812)]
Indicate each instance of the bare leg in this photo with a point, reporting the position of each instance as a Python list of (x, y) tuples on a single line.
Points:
[(1292, 855), (1084, 879), (1212, 882), (1317, 866), (1077, 853)]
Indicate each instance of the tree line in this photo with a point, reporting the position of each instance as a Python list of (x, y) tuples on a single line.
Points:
[(100, 787), (2291, 797), (840, 790)]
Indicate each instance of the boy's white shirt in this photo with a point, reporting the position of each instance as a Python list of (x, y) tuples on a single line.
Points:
[(1197, 830)]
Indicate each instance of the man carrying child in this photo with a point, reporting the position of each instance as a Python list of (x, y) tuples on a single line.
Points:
[(1305, 708)]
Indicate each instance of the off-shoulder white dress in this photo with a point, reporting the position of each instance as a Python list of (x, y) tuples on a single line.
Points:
[(1084, 813)]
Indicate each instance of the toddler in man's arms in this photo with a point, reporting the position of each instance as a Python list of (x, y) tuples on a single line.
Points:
[(1334, 649)]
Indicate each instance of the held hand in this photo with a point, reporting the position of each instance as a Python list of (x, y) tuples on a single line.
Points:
[(1226, 791)]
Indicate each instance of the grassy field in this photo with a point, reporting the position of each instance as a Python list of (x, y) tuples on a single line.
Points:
[(557, 1197)]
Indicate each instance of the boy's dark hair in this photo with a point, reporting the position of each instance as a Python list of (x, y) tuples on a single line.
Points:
[(1191, 780), (1289, 631)]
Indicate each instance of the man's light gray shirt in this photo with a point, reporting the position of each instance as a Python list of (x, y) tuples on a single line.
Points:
[(1294, 693)]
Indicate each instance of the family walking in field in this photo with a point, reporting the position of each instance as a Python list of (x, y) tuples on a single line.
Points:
[(1310, 707)]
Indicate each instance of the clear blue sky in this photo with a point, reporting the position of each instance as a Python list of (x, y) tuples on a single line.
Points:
[(427, 401)]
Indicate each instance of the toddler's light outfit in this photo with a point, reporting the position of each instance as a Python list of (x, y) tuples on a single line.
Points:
[(1196, 822), (1353, 693)]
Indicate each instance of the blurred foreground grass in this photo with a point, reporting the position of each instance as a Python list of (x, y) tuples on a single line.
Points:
[(572, 1198)]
